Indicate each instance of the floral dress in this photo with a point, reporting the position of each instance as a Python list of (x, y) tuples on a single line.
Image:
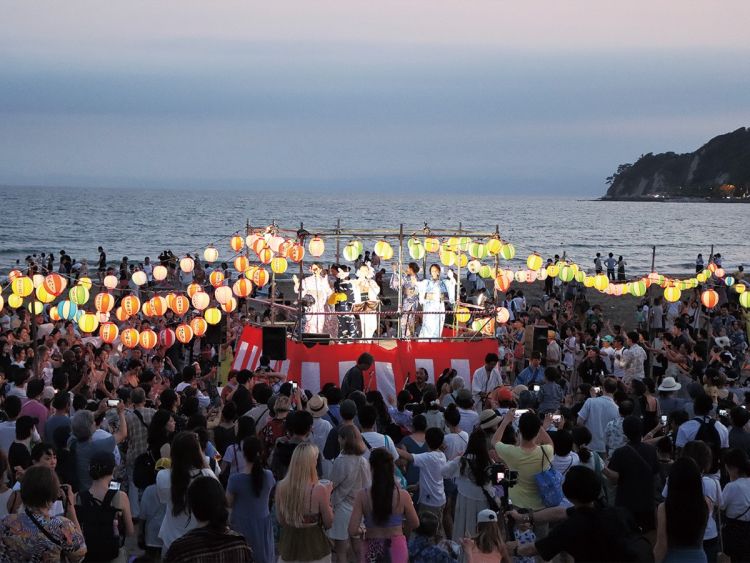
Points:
[(23, 540)]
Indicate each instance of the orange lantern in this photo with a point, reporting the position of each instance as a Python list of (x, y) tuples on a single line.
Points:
[(265, 255), (258, 244), (242, 287), (201, 300), (260, 277), (158, 305), (129, 337), (13, 274), (108, 332), (241, 263), (316, 247), (709, 298), (193, 288), (251, 239), (121, 315), (229, 306), (183, 333), (167, 338), (199, 326), (284, 248), (212, 315), (54, 314), (237, 243), (181, 305), (104, 302), (502, 283), (502, 315), (216, 278), (719, 272), (296, 252), (131, 305), (170, 297), (148, 339), (55, 284), (148, 309)]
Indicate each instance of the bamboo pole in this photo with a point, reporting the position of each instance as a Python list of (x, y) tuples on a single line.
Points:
[(400, 329)]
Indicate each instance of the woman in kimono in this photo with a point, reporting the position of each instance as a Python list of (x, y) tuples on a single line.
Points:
[(366, 302), (410, 297), (432, 292), (344, 297), (317, 287)]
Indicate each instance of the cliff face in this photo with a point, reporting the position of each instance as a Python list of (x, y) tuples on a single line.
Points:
[(719, 169)]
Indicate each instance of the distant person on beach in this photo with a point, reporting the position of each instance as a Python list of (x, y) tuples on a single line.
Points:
[(102, 264), (598, 263), (610, 263), (699, 263), (621, 268)]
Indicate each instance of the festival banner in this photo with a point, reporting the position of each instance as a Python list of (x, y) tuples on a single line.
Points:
[(312, 366)]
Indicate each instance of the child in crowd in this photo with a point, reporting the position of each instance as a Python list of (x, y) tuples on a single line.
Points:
[(487, 546)]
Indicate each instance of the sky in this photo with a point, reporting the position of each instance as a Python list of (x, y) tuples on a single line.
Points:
[(487, 96)]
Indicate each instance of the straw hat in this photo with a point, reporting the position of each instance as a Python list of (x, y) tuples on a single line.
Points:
[(669, 384), (317, 406), (488, 419)]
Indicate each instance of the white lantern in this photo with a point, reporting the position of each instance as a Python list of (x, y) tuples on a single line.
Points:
[(223, 294), (139, 278), (110, 282), (201, 300), (211, 254), (187, 264), (160, 273)]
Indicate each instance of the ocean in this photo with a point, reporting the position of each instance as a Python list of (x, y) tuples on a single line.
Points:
[(143, 222)]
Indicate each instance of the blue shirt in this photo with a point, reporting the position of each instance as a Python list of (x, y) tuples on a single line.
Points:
[(530, 376)]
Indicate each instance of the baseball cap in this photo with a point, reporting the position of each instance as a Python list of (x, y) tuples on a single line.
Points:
[(486, 516), (505, 394)]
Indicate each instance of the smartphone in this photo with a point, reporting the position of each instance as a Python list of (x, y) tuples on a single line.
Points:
[(294, 385), (663, 420), (113, 402), (556, 418), (114, 486), (597, 390), (537, 388), (499, 476), (519, 412), (723, 412)]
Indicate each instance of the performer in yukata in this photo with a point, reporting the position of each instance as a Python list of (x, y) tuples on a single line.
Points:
[(316, 286), (432, 292), (409, 283), (366, 301), (343, 299)]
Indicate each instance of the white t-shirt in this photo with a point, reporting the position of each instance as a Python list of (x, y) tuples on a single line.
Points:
[(596, 414), (563, 463), (469, 420), (736, 499), (688, 430), (173, 527), (57, 508), (377, 440), (430, 464), (455, 444)]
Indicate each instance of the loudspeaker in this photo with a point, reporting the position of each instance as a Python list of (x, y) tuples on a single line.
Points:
[(540, 340), (274, 342)]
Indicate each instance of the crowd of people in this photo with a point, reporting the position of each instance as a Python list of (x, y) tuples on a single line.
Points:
[(579, 437)]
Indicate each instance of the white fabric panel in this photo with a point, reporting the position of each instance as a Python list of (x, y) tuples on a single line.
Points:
[(427, 364), (240, 357), (385, 379), (463, 369), (310, 376)]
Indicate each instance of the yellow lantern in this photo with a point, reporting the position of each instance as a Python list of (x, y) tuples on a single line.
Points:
[(212, 315), (672, 294), (85, 282), (463, 243), (579, 276), (108, 332), (740, 288), (229, 306), (463, 260), (35, 307), (43, 295), (160, 273), (187, 264), (744, 299), (351, 253), (447, 258), (462, 314), (22, 286), (148, 339), (416, 249), (534, 261), (78, 294), (477, 250), (601, 282), (211, 254), (507, 251), (237, 243), (566, 274), (316, 246), (14, 301), (494, 245), (223, 294), (201, 300), (638, 288), (183, 333), (485, 271), (110, 281), (88, 322), (384, 250), (278, 265), (431, 244), (553, 270)]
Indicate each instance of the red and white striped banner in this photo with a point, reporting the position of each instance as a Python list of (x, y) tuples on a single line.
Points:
[(320, 364)]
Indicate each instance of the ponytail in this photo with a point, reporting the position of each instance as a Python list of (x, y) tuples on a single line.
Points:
[(252, 449)]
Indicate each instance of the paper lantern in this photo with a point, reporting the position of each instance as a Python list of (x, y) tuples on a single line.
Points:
[(447, 258), (85, 282), (187, 264), (541, 274), (170, 297), (601, 282), (588, 281), (502, 315), (260, 277), (216, 278), (37, 280), (638, 288), (265, 255), (129, 337), (160, 273), (462, 314), (88, 322), (485, 271), (507, 251), (275, 242), (709, 298), (66, 309), (242, 287), (520, 276), (13, 274), (250, 272), (251, 238), (502, 283), (493, 246), (35, 307), (211, 254), (719, 272), (183, 333), (78, 295), (103, 317), (474, 266), (431, 244), (258, 244), (229, 306), (236, 242), (566, 274), (43, 295), (147, 310), (55, 284), (316, 246), (384, 250), (416, 249), (740, 288), (477, 250), (15, 301), (701, 277), (464, 243), (241, 263), (180, 305), (284, 247), (729, 281), (580, 275), (159, 305), (54, 316), (462, 260), (672, 294), (201, 300), (296, 253), (212, 315), (350, 252), (139, 278), (108, 332), (131, 305), (534, 261), (193, 288), (167, 338), (22, 286), (223, 294), (121, 315), (745, 299), (199, 326), (148, 339), (278, 265), (110, 281), (104, 302), (553, 270)]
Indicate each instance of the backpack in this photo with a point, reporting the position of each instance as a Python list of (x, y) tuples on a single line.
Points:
[(270, 433), (144, 470), (710, 435), (100, 524)]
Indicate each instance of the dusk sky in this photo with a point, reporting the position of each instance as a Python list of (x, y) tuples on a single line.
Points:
[(483, 95)]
